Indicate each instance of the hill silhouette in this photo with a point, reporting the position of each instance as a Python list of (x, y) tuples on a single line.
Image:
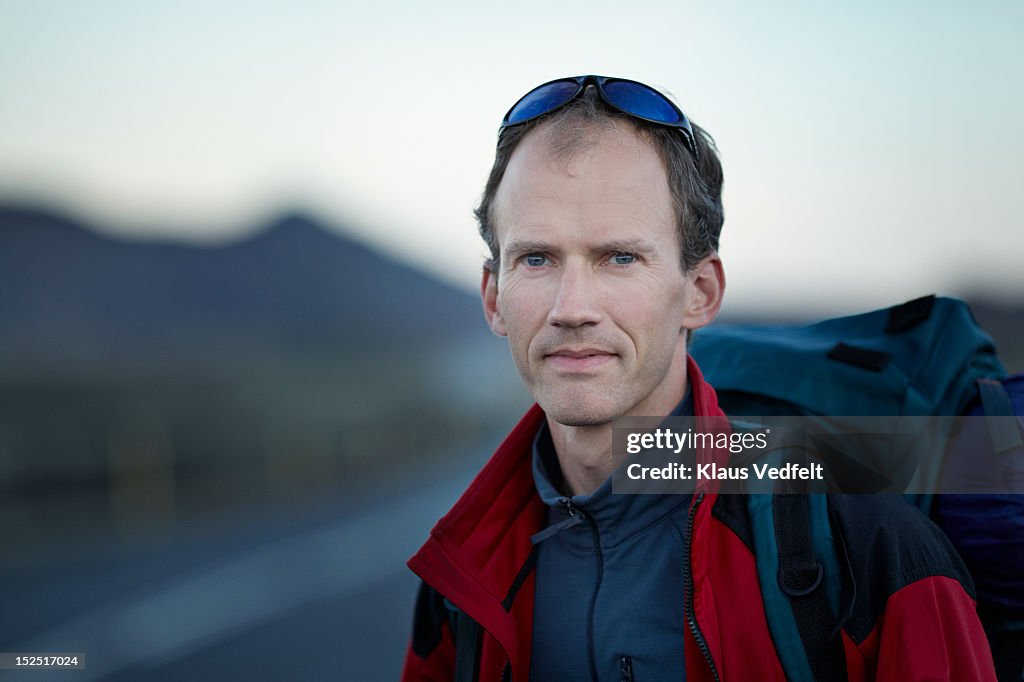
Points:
[(69, 295)]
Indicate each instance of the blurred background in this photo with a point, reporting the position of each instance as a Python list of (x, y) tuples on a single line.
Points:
[(242, 362)]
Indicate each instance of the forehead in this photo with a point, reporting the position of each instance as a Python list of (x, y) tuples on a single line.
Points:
[(610, 183)]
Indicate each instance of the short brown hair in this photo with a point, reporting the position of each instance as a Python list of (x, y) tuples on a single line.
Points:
[(695, 184)]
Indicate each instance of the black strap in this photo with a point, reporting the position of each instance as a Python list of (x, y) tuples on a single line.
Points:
[(996, 403), (910, 314), (521, 576), (468, 633), (866, 358), (801, 577), (467, 648)]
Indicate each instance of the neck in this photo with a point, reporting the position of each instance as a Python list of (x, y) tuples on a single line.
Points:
[(584, 455), (585, 452)]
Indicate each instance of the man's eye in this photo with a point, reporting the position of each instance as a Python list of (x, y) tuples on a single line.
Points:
[(535, 260), (623, 258)]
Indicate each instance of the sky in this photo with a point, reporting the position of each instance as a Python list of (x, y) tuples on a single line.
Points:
[(872, 150)]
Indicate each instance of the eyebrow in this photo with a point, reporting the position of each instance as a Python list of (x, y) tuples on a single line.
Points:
[(519, 247)]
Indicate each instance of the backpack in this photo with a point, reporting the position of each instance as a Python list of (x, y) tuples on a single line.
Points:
[(926, 357)]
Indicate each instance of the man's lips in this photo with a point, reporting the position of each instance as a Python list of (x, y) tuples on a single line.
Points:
[(579, 359)]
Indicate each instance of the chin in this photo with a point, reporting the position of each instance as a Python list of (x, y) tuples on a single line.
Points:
[(577, 411), (580, 420)]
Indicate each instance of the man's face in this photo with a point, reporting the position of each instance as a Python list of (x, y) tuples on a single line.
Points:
[(591, 292)]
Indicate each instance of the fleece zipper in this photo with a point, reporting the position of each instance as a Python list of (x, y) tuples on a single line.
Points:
[(577, 513)]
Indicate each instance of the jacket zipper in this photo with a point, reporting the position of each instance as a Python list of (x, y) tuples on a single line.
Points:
[(626, 668), (592, 656), (691, 618)]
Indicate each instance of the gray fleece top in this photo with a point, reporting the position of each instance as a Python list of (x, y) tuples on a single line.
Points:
[(608, 604)]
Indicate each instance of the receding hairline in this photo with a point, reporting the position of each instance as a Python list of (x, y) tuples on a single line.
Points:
[(579, 131), (563, 144)]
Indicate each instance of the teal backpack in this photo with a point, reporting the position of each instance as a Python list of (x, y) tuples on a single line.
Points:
[(926, 357)]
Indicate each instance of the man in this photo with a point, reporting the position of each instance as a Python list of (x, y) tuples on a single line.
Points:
[(602, 214)]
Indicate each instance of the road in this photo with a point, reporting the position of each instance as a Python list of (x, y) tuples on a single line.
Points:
[(325, 596)]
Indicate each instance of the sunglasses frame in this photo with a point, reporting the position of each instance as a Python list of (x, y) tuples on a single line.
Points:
[(682, 125)]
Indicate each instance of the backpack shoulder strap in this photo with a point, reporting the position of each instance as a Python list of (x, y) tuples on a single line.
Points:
[(802, 579), (798, 568)]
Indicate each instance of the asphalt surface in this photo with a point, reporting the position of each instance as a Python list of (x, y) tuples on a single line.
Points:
[(321, 597)]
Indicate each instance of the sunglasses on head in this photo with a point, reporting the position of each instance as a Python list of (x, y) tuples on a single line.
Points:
[(630, 97)]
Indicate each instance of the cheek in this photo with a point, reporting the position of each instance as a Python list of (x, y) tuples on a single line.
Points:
[(521, 308), (653, 320)]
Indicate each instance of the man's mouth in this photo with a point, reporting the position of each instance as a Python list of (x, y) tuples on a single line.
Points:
[(579, 359)]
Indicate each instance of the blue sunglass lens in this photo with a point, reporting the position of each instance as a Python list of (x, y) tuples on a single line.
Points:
[(641, 101), (542, 100)]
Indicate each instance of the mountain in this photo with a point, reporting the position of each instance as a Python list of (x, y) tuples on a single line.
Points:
[(69, 295)]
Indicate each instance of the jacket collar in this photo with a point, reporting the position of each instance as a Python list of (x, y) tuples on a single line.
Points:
[(616, 517)]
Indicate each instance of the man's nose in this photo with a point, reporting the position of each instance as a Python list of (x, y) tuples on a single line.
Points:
[(576, 301)]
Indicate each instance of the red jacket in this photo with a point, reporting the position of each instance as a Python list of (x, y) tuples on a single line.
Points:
[(907, 623)]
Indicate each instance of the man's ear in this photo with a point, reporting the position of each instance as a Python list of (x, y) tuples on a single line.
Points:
[(489, 294), (707, 286)]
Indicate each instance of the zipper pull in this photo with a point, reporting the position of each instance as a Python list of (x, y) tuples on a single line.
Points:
[(626, 668), (575, 519)]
